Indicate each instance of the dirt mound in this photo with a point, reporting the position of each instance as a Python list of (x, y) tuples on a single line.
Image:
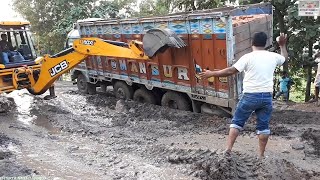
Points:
[(146, 112), (295, 117), (313, 137), (165, 118), (210, 165), (7, 104)]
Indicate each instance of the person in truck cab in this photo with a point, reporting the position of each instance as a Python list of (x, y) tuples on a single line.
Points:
[(259, 67), (7, 50)]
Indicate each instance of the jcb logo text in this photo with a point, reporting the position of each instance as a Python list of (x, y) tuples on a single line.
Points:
[(58, 68)]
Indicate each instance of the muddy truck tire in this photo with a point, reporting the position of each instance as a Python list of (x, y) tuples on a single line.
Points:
[(144, 96), (92, 88), (82, 84), (176, 100), (103, 88), (122, 90)]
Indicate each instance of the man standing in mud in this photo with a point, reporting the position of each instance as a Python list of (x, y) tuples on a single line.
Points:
[(259, 67)]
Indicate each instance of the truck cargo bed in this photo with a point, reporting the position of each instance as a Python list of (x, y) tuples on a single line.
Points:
[(215, 40)]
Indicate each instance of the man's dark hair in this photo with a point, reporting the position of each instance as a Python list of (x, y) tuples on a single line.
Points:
[(2, 35), (259, 39)]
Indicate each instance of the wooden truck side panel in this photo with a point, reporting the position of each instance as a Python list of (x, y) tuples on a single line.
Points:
[(215, 40)]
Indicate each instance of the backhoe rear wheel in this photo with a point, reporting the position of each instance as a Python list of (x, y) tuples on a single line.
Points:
[(144, 96), (82, 84), (175, 100), (122, 90)]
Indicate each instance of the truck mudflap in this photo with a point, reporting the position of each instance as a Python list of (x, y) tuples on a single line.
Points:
[(158, 40)]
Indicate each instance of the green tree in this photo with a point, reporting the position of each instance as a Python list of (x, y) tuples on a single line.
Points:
[(149, 8), (306, 32), (52, 20)]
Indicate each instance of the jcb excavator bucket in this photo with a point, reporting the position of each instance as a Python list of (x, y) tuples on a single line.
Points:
[(158, 40)]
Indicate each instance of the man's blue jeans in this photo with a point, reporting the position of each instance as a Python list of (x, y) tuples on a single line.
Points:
[(5, 56), (261, 104)]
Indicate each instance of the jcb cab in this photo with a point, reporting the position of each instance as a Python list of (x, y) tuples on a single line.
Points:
[(16, 50)]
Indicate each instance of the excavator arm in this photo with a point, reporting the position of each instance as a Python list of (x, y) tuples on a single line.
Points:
[(52, 67)]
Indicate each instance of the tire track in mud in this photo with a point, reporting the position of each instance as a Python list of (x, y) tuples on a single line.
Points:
[(211, 165), (313, 138)]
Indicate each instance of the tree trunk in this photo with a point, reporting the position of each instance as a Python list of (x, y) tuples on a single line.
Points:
[(308, 86), (309, 72)]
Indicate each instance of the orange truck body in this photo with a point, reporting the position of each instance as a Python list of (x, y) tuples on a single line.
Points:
[(215, 39)]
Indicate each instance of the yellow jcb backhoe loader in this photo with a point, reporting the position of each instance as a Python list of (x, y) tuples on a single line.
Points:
[(37, 74)]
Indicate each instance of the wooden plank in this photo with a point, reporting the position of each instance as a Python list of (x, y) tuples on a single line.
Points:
[(247, 44), (251, 27), (238, 55), (243, 45), (249, 35)]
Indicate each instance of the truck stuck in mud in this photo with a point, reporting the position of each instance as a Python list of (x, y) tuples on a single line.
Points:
[(215, 39)]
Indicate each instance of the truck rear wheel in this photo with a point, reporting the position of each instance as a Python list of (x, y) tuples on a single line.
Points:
[(103, 88), (144, 96), (92, 88), (82, 84), (175, 100), (122, 90)]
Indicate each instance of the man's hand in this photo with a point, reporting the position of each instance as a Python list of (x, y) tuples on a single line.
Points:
[(282, 39), (206, 74)]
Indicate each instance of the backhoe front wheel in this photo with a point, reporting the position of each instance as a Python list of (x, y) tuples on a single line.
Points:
[(82, 84)]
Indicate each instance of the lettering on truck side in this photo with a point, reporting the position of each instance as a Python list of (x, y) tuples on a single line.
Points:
[(58, 68), (141, 67), (198, 97)]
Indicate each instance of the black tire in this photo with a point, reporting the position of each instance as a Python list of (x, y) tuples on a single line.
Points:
[(144, 96), (92, 88), (122, 90), (176, 100), (82, 84)]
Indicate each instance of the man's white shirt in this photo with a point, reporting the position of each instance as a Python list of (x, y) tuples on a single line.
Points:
[(259, 67)]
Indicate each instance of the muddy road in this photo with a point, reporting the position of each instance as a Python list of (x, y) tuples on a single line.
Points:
[(98, 137)]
